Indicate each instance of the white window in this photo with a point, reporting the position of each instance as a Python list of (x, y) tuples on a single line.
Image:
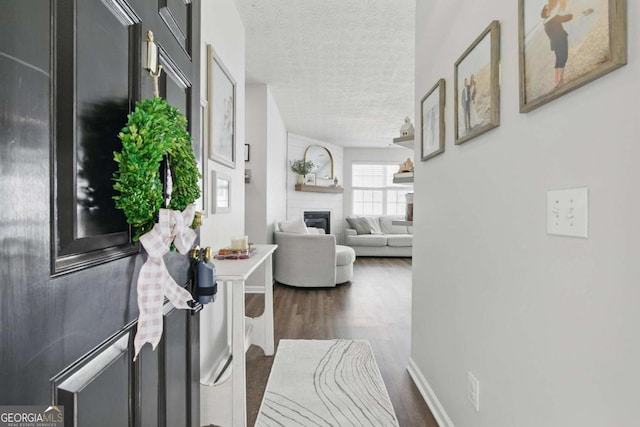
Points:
[(374, 192)]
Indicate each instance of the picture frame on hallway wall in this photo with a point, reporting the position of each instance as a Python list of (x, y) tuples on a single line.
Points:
[(477, 86), (432, 117), (221, 93), (220, 193), (565, 44)]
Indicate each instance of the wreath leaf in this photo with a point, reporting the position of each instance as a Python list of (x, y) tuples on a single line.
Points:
[(154, 129)]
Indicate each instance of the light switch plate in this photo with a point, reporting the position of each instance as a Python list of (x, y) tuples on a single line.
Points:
[(567, 212)]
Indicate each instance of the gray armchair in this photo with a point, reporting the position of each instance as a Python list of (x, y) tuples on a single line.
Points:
[(311, 260)]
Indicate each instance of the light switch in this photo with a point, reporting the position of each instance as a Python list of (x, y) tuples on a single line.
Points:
[(567, 212)]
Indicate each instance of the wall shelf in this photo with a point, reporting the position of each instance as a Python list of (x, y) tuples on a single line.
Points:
[(404, 141), (402, 179), (318, 188)]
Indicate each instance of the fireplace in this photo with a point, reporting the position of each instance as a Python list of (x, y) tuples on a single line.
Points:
[(318, 219)]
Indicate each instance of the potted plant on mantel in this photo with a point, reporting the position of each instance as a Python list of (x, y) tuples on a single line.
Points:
[(301, 167)]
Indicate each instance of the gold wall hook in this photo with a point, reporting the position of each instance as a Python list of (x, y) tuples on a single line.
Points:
[(194, 253)]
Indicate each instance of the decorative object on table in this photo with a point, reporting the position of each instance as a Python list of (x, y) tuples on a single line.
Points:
[(247, 151), (477, 86), (407, 128), (222, 111), (204, 275), (301, 168), (326, 382), (220, 193), (156, 131), (432, 117), (310, 179), (590, 34)]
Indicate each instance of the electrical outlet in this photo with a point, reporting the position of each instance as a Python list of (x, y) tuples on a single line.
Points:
[(473, 391)]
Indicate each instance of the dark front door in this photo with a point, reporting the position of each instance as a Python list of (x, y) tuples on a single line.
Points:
[(70, 71)]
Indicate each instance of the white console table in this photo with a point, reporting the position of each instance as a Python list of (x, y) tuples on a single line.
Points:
[(224, 400)]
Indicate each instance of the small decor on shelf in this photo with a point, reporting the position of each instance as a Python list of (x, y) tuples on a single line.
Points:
[(407, 128), (407, 166), (301, 167)]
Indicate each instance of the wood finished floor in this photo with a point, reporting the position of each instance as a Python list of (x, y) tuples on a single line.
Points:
[(375, 306)]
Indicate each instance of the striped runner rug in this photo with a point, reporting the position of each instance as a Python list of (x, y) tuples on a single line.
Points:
[(325, 383)]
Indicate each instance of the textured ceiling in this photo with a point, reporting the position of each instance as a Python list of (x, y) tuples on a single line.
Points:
[(341, 71)]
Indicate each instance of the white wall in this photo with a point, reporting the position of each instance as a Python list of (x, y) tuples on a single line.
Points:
[(383, 155), (224, 30), (255, 191), (549, 325), (265, 196), (300, 201)]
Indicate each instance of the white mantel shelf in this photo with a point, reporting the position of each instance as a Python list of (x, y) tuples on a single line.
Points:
[(318, 188)]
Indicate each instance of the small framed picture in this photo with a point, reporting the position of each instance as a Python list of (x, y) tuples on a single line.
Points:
[(247, 151), (310, 179), (477, 86), (567, 44), (220, 193), (432, 116)]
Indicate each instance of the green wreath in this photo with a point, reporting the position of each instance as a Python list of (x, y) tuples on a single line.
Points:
[(153, 130)]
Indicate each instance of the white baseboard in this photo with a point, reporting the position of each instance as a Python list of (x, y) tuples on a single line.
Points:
[(428, 395)]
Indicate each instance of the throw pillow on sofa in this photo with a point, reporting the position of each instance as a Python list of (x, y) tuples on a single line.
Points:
[(296, 226), (360, 224)]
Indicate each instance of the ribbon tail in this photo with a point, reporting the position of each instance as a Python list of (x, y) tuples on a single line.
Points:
[(150, 300), (177, 295)]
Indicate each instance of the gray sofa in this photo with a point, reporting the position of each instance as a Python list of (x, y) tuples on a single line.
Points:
[(388, 240)]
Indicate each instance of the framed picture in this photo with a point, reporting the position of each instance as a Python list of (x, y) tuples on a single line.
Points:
[(477, 86), (220, 193), (222, 111), (310, 179), (247, 149), (432, 116), (203, 201), (565, 44)]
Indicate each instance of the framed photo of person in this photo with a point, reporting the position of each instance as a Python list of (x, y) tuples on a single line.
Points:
[(432, 117), (477, 86), (222, 111), (565, 44)]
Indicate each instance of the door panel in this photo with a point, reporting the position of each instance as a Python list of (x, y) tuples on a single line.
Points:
[(65, 87)]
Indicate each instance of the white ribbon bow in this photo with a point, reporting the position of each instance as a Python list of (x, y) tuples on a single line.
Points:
[(154, 281)]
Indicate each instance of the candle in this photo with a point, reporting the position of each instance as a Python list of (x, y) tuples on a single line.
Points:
[(236, 242)]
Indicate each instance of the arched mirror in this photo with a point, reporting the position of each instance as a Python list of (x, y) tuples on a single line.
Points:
[(322, 159)]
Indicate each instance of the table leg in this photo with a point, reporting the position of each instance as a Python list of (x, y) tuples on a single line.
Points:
[(238, 351)]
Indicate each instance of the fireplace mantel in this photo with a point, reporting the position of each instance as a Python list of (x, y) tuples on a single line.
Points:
[(318, 188)]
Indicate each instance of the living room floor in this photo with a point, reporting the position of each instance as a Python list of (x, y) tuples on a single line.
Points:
[(375, 305)]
